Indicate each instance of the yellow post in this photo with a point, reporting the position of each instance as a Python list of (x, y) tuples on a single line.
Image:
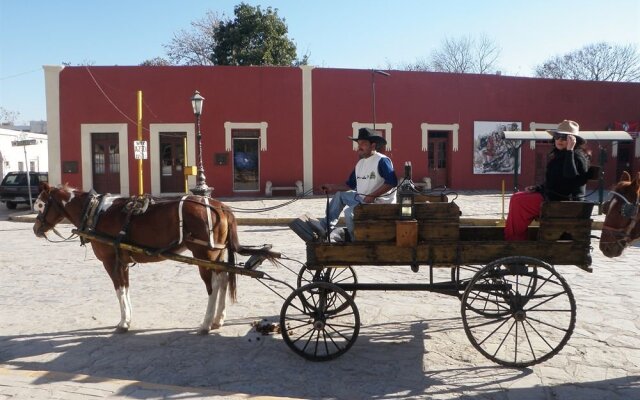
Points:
[(140, 182), (184, 165)]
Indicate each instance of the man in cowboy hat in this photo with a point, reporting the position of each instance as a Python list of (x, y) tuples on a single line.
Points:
[(373, 180), (565, 179)]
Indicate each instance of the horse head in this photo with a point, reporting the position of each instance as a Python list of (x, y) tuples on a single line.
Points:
[(50, 205), (622, 221)]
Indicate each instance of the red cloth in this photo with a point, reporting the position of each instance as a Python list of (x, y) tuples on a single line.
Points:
[(523, 208)]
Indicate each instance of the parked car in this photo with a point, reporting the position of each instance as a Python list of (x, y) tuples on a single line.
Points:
[(14, 189)]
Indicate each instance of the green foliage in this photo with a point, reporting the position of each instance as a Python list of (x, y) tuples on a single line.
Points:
[(254, 37)]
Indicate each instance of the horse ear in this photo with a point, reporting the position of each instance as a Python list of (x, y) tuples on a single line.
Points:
[(625, 177), (44, 187)]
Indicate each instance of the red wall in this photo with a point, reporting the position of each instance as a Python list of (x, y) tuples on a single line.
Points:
[(340, 97), (247, 94), (407, 99)]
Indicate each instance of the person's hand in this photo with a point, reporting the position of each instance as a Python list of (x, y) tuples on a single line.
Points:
[(368, 199), (571, 142)]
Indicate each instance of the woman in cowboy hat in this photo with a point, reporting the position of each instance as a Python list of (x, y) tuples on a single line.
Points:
[(371, 181), (565, 179)]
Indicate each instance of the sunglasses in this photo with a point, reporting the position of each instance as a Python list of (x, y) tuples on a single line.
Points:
[(560, 136)]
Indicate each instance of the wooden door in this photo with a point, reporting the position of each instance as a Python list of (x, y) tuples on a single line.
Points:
[(106, 162), (623, 160), (542, 155), (172, 147), (437, 162)]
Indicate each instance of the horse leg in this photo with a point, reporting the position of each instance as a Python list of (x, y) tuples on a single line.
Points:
[(222, 279), (120, 278), (210, 281), (125, 309)]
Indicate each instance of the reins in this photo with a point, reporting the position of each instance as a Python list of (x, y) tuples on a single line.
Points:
[(629, 211)]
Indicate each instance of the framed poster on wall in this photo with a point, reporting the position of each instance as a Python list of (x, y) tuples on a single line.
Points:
[(492, 154)]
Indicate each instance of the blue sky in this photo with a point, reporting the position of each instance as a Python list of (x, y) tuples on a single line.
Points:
[(335, 33)]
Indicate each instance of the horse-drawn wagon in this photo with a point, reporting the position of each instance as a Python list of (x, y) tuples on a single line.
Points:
[(516, 309)]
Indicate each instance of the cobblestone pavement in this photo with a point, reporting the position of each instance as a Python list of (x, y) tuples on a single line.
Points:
[(58, 311)]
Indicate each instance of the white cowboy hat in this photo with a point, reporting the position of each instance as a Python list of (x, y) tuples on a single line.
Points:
[(567, 127)]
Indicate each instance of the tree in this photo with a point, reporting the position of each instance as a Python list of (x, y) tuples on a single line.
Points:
[(156, 62), (254, 37), (461, 55), (594, 62), (8, 117), (194, 47)]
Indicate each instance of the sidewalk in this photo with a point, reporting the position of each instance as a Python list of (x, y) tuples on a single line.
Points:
[(58, 311)]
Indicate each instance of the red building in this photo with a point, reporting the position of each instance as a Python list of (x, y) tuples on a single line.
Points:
[(284, 125)]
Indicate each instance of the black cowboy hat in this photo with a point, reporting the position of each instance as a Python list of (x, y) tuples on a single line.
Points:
[(370, 135)]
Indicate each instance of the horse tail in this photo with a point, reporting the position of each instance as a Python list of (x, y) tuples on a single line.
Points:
[(234, 245), (231, 257)]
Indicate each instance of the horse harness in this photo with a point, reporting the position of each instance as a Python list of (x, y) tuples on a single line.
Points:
[(95, 205), (628, 210)]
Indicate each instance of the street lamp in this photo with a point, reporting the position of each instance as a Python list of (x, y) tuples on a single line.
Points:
[(373, 92), (201, 188)]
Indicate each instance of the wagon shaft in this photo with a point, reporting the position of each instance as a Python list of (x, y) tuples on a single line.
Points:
[(214, 265)]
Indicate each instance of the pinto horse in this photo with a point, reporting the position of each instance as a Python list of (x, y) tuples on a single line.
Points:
[(202, 225), (622, 221)]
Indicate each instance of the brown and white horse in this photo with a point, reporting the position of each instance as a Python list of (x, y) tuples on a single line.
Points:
[(202, 225), (622, 222)]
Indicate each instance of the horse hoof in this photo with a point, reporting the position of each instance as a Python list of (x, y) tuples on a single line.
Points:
[(203, 332), (121, 329)]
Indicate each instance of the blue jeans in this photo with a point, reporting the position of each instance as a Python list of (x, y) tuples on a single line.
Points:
[(342, 201)]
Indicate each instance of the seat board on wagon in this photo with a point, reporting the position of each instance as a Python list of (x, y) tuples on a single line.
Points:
[(562, 238)]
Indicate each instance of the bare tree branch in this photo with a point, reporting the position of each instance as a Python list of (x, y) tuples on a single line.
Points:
[(594, 62), (194, 47)]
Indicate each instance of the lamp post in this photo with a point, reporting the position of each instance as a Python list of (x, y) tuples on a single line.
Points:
[(373, 92), (201, 188)]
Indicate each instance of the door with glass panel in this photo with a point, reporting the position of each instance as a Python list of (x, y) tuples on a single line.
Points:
[(246, 162), (105, 156), (437, 162), (172, 156)]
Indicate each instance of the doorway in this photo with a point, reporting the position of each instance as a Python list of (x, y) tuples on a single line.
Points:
[(172, 161), (438, 144), (623, 160), (106, 162), (246, 161)]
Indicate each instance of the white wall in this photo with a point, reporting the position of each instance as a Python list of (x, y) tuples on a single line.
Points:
[(11, 155)]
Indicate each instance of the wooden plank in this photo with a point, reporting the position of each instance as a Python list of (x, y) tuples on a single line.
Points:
[(385, 230), (566, 209), (443, 229), (557, 229), (446, 253), (392, 211)]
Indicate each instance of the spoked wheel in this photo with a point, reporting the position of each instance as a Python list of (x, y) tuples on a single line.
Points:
[(461, 275), (530, 316), (331, 275), (310, 330)]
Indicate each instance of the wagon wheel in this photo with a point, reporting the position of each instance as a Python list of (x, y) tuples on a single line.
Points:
[(312, 332), (332, 275), (461, 275), (535, 311), (491, 302)]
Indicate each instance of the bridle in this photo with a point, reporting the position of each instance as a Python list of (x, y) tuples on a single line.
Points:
[(42, 217), (629, 211)]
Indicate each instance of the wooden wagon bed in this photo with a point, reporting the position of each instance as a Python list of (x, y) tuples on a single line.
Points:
[(562, 238)]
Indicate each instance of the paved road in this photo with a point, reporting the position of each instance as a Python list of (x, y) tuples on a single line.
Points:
[(58, 310)]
